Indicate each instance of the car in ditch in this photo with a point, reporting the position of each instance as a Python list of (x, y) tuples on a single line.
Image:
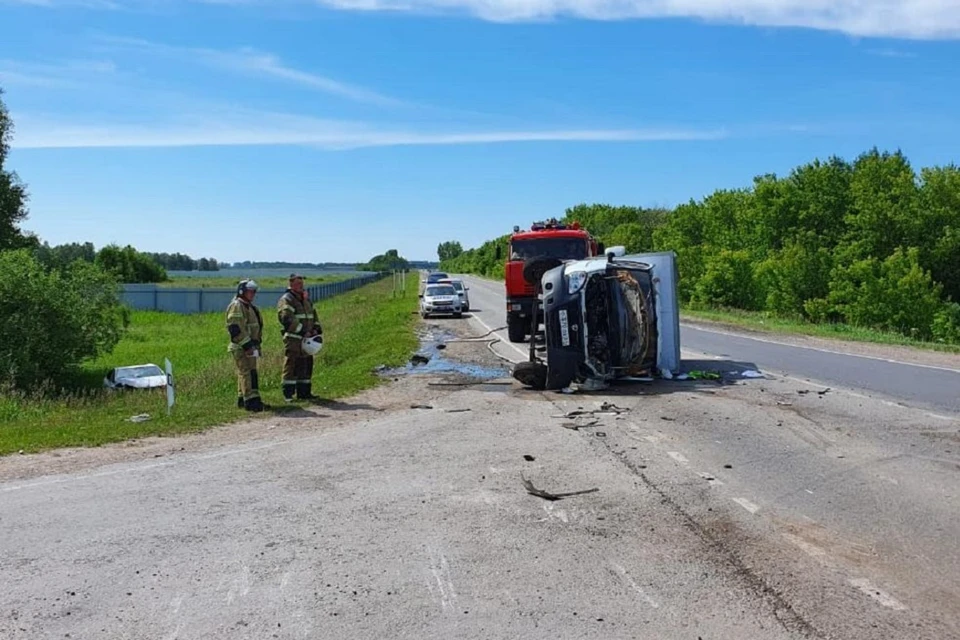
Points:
[(139, 376), (440, 299), (605, 318)]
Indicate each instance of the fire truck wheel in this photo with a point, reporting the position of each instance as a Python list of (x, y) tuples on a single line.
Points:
[(534, 268)]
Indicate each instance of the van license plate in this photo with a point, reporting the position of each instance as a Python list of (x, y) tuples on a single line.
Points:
[(564, 328)]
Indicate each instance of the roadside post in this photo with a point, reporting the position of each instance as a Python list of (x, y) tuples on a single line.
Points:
[(170, 395)]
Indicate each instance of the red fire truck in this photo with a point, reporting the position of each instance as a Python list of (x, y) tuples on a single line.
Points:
[(547, 239)]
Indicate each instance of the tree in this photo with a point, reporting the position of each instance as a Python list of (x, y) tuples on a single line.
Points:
[(129, 265), (449, 250), (385, 262), (55, 319), (13, 193)]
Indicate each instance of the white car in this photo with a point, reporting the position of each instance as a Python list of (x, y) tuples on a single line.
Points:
[(462, 290), (141, 376), (440, 299)]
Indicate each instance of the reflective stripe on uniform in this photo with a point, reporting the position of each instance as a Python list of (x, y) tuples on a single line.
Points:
[(292, 335)]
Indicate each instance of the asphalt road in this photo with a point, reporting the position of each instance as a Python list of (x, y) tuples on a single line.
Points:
[(933, 388), (697, 511)]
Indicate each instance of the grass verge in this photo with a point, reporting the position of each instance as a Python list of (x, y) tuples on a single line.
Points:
[(362, 329), (761, 322)]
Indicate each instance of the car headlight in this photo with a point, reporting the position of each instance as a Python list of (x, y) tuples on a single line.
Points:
[(575, 281)]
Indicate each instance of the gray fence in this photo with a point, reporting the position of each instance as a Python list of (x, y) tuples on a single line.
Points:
[(151, 297)]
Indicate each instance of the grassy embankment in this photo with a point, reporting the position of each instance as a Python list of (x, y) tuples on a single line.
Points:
[(362, 329)]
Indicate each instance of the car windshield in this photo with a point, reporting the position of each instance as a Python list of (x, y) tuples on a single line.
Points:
[(563, 248), (433, 277), (444, 290), (457, 285), (144, 371)]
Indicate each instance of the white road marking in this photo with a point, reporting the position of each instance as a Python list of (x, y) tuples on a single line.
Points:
[(820, 349), (746, 504), (524, 355), (559, 514), (709, 478), (885, 599), (679, 457), (441, 574), (633, 585), (811, 550)]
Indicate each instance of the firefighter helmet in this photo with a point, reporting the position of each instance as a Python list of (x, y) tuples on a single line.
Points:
[(247, 285), (312, 345)]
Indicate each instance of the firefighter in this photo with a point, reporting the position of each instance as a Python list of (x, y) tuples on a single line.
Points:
[(245, 326), (299, 321)]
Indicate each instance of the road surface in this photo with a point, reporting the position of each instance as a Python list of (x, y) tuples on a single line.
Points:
[(695, 511), (935, 388)]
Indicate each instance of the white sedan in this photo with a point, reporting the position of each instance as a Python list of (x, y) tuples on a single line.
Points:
[(439, 299)]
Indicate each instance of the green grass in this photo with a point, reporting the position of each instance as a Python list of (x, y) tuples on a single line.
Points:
[(229, 282), (759, 321), (362, 329)]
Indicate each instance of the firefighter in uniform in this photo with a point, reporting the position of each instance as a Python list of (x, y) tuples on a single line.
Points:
[(299, 321), (245, 326)]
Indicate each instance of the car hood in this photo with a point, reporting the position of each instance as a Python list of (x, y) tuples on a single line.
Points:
[(147, 382)]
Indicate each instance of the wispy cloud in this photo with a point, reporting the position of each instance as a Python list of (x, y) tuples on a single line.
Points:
[(891, 53), (73, 73), (249, 128), (264, 65), (919, 19)]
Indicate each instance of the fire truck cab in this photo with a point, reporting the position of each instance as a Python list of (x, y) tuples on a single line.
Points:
[(544, 240)]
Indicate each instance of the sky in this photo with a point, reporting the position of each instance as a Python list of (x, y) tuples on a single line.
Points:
[(334, 130)]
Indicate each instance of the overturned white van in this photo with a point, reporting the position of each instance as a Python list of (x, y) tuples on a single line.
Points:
[(606, 318)]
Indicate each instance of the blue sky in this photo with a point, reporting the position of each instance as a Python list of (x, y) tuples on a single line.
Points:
[(316, 131)]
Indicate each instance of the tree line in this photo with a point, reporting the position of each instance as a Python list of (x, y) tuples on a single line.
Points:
[(869, 242)]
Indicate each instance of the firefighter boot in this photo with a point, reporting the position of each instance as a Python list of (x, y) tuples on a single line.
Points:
[(254, 404), (304, 391), (240, 402)]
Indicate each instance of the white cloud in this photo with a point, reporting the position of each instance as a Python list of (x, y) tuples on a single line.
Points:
[(251, 62), (75, 73), (920, 19), (249, 128)]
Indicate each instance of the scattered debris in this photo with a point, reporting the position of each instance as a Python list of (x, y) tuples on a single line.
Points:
[(142, 417), (441, 346), (601, 434), (784, 404), (528, 457), (704, 375), (751, 373), (668, 419), (578, 424), (728, 466), (603, 408), (803, 392), (457, 410), (421, 406), (823, 392), (419, 359), (540, 493)]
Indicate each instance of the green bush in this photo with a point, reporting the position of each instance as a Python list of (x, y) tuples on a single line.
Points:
[(54, 319)]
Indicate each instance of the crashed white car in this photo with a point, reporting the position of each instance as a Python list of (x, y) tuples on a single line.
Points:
[(141, 376), (606, 318)]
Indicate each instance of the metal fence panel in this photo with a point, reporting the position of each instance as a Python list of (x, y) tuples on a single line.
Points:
[(152, 297)]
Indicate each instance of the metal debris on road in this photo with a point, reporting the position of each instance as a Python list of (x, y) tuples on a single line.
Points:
[(421, 406), (546, 495), (577, 424)]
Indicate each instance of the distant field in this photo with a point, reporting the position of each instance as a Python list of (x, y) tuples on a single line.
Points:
[(265, 278)]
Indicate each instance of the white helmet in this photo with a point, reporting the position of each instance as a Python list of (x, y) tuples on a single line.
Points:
[(312, 345)]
